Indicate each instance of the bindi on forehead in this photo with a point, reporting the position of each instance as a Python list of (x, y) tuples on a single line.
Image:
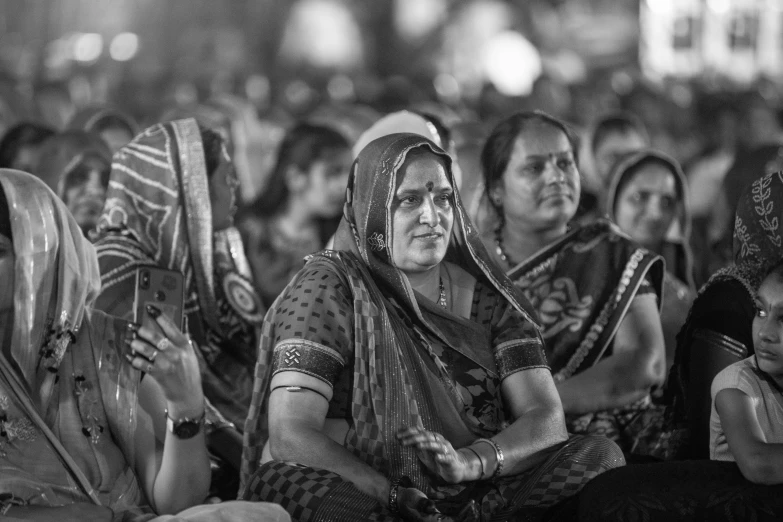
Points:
[(430, 185)]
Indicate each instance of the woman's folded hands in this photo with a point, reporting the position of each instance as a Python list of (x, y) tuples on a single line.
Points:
[(437, 454)]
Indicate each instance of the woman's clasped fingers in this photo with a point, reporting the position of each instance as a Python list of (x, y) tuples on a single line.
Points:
[(425, 441)]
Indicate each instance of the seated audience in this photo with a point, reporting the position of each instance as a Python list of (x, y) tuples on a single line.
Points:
[(21, 145), (85, 397), (733, 330), (402, 374), (595, 292), (647, 194), (718, 330), (300, 208), (170, 204), (76, 164)]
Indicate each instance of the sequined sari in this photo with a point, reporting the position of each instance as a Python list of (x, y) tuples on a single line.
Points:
[(392, 358), (63, 380), (582, 286), (158, 213)]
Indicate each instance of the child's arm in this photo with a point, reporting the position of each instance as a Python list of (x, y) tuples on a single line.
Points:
[(759, 461)]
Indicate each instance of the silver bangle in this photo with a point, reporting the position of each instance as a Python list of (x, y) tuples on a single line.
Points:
[(498, 455)]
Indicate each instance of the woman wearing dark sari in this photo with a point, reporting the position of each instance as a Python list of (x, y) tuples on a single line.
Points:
[(402, 374), (594, 290), (170, 204), (647, 195), (83, 432)]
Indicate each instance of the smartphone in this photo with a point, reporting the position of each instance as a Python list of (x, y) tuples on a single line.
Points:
[(162, 288)]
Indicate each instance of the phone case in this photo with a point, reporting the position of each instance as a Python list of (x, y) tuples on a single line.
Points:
[(161, 288)]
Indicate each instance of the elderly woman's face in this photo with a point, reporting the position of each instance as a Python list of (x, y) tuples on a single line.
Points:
[(647, 205), (422, 214), (540, 187), (7, 264)]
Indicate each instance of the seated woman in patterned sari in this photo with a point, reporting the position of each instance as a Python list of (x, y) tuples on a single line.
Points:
[(83, 432), (170, 204), (594, 290), (647, 198), (402, 374)]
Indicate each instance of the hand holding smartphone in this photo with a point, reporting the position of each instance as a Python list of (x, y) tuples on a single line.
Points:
[(161, 288)]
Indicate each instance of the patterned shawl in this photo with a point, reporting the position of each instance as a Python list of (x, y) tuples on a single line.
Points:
[(757, 236), (65, 360), (158, 213), (390, 389), (676, 249), (582, 286), (56, 279), (757, 248)]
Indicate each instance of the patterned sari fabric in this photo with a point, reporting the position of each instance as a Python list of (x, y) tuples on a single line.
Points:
[(678, 286), (392, 359), (158, 213), (63, 376), (582, 287)]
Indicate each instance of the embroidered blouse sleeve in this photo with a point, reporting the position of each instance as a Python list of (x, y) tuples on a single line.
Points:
[(515, 341), (314, 326)]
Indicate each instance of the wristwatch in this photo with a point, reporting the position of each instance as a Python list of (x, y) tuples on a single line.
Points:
[(185, 428)]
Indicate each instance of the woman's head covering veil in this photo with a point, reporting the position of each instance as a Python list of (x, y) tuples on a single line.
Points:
[(366, 227), (676, 248), (56, 276)]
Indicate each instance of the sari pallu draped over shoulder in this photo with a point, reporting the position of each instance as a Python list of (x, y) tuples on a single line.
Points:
[(394, 366), (582, 287), (158, 213), (679, 288), (67, 395)]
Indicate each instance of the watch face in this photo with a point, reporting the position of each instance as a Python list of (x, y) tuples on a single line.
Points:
[(186, 429)]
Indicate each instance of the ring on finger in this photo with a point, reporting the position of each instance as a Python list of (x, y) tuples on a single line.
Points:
[(163, 344), (152, 357)]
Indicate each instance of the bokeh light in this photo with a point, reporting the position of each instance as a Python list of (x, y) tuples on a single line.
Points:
[(87, 47), (124, 47), (512, 63)]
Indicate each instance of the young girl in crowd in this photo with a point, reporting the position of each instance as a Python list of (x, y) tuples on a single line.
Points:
[(746, 425), (300, 208)]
